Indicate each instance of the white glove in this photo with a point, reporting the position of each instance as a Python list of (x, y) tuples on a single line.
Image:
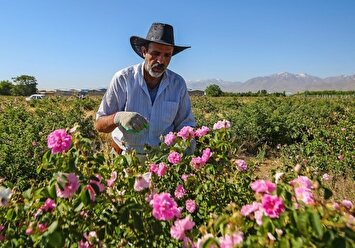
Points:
[(131, 121)]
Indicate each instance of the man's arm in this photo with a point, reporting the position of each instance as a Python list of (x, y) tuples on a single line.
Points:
[(106, 123)]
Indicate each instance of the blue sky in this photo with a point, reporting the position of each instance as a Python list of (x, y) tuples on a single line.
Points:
[(81, 43)]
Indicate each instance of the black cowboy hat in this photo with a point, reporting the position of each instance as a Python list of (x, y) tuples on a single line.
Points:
[(159, 33)]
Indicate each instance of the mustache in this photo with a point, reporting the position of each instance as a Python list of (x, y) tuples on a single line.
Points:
[(159, 66)]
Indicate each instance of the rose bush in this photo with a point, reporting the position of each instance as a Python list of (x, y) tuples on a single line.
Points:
[(174, 199)]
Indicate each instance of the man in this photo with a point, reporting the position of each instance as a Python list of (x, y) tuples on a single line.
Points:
[(147, 100)]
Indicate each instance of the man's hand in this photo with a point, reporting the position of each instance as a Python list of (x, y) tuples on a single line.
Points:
[(131, 121)]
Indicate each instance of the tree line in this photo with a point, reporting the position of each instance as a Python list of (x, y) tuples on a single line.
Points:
[(23, 85), (215, 90)]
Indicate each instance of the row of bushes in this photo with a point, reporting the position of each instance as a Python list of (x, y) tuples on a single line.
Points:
[(175, 199), (318, 130), (24, 128)]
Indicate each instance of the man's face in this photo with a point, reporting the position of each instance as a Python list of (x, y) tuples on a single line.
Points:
[(157, 58)]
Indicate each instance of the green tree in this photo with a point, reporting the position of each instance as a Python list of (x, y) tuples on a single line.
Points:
[(213, 90), (24, 85), (6, 87)]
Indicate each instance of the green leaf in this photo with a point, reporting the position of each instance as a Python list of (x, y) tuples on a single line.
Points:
[(78, 208), (124, 215), (327, 193), (84, 196), (297, 242), (284, 243), (10, 214), (157, 228), (209, 242), (55, 239), (39, 168), (52, 227), (349, 233), (138, 223), (27, 194), (220, 223), (302, 223), (52, 190), (316, 224), (339, 242)]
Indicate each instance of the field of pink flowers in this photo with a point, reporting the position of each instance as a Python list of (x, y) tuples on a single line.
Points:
[(208, 198)]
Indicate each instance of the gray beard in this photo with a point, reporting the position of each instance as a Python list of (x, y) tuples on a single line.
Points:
[(155, 74)]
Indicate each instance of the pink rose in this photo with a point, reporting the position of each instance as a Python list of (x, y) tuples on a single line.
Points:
[(230, 241), (302, 186), (202, 131), (48, 205), (179, 228), (164, 207), (302, 181), (59, 141), (197, 163), (206, 155), (262, 186), (153, 168), (174, 157), (169, 138), (29, 230), (185, 177), (180, 191), (258, 215), (162, 169), (190, 205), (112, 179), (186, 133), (325, 177), (221, 124), (241, 164), (347, 204), (250, 208), (42, 227), (150, 195), (91, 237), (85, 244), (142, 182), (69, 185), (273, 205)]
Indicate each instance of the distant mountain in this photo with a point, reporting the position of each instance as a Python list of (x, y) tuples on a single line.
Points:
[(226, 86), (280, 82)]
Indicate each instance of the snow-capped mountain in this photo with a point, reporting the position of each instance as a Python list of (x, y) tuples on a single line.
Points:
[(280, 82)]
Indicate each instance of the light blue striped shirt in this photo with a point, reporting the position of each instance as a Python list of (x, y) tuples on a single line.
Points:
[(170, 111)]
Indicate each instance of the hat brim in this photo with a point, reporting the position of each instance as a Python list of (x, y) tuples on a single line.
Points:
[(138, 42)]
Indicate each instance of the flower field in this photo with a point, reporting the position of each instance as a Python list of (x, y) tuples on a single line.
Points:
[(60, 186)]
